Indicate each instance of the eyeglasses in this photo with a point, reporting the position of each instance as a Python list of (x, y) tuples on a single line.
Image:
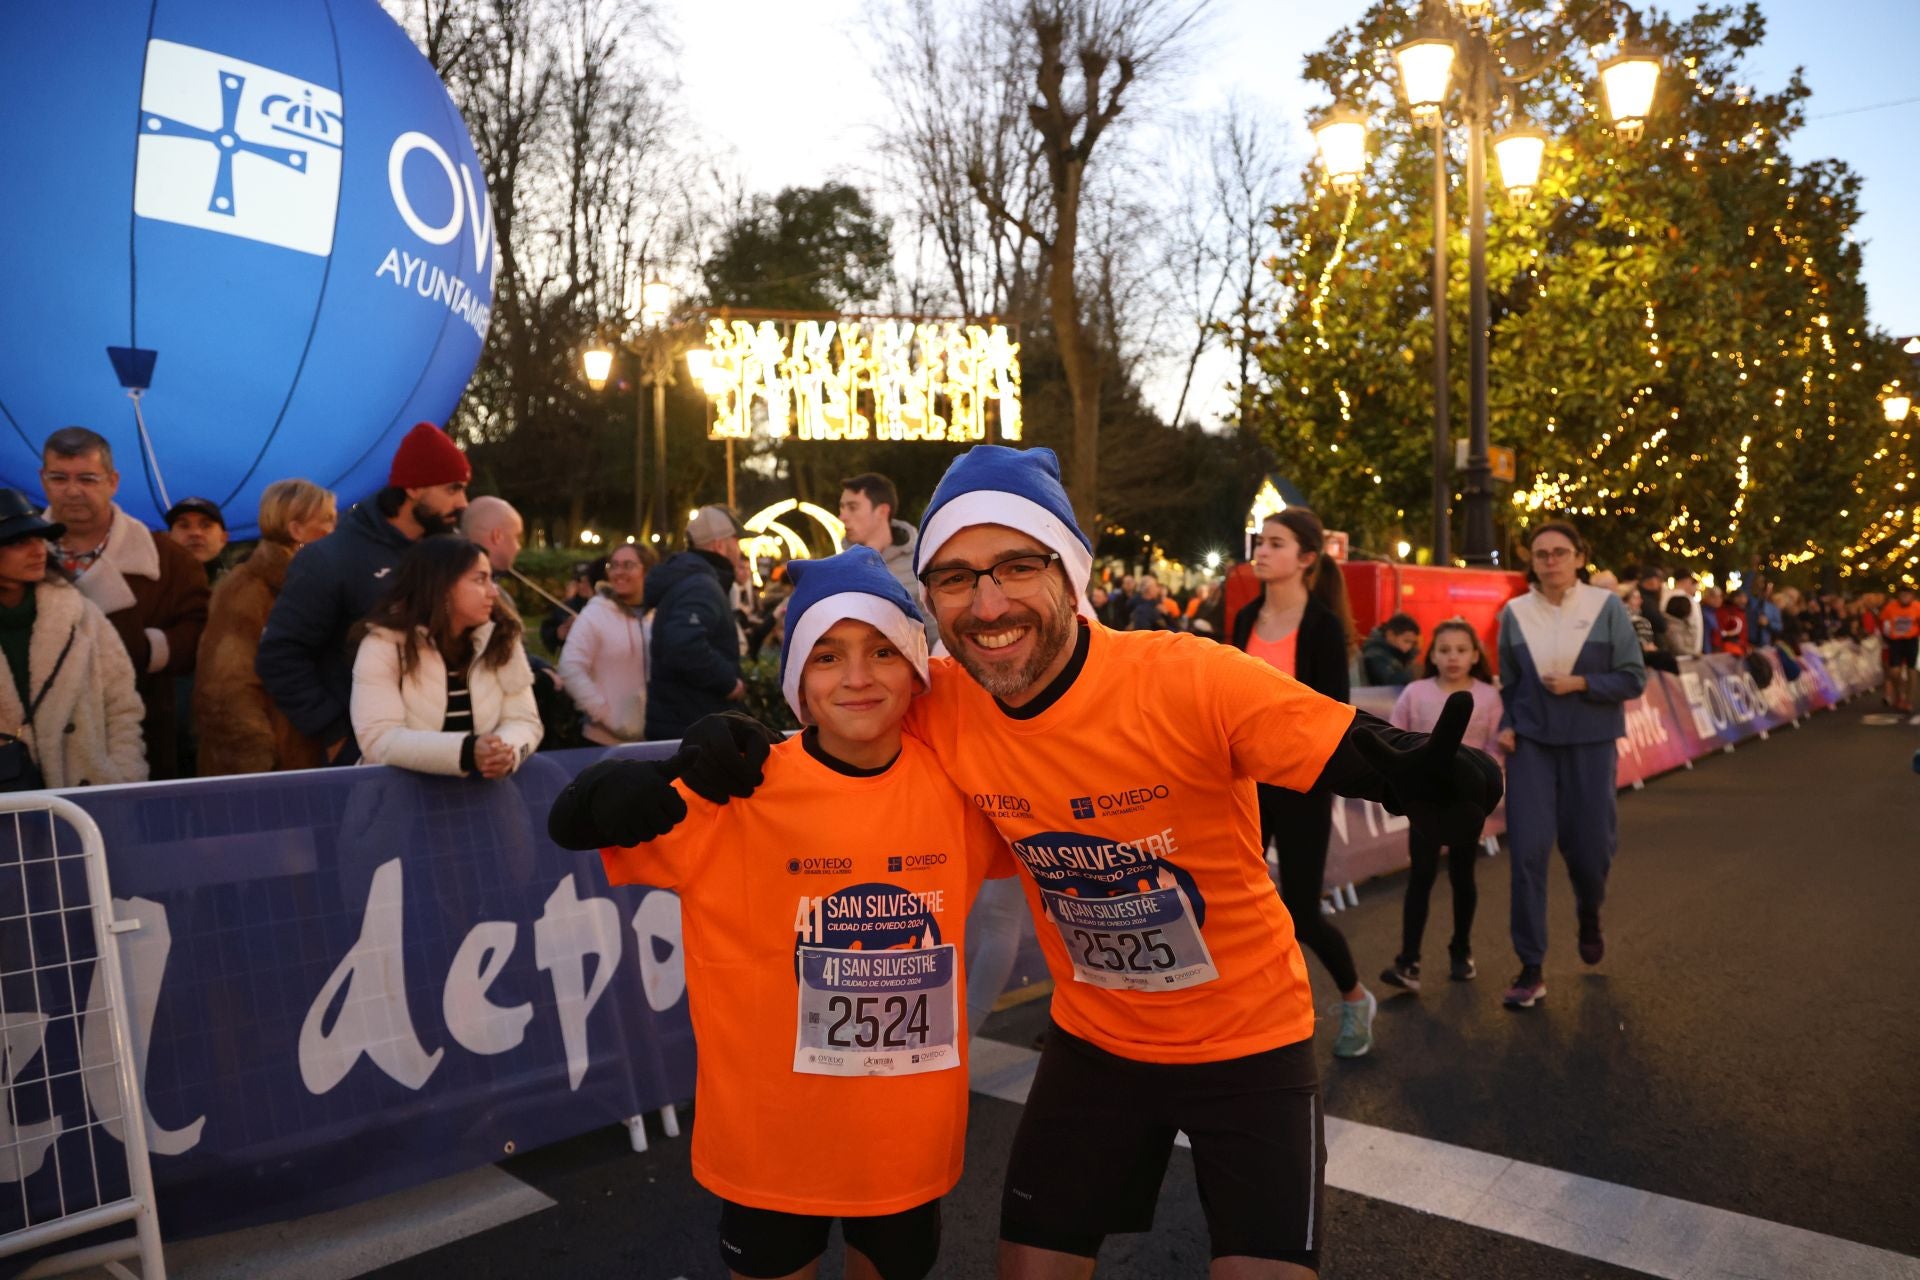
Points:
[(1019, 575), (61, 480), (1550, 554)]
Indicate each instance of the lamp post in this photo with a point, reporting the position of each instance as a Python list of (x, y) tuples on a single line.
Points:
[(654, 351), (1454, 41)]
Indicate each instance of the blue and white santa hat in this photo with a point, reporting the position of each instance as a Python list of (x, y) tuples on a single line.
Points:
[(854, 584), (1018, 488)]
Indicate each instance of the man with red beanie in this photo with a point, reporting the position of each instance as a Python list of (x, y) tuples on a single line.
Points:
[(333, 583)]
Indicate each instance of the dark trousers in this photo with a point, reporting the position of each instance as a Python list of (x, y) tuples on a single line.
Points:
[(1425, 854), (1565, 792), (1298, 827)]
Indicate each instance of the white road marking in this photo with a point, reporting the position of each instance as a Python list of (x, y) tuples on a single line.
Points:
[(1655, 1234), (355, 1240)]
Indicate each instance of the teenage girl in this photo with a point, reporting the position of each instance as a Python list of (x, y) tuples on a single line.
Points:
[(1301, 624), (1455, 663)]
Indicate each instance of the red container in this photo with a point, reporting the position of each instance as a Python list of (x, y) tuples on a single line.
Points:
[(1378, 590)]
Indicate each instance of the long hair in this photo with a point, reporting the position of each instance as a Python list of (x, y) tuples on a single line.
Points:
[(1479, 670), (1324, 579), (418, 600)]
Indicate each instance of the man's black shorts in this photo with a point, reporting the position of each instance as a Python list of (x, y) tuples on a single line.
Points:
[(1903, 653), (1094, 1140), (769, 1243)]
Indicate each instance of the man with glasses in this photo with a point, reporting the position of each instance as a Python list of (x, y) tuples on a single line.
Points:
[(152, 590), (1120, 767)]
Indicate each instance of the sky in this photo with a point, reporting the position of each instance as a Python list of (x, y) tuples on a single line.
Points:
[(739, 63)]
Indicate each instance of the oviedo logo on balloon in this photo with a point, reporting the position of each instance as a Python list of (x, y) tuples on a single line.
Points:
[(280, 201)]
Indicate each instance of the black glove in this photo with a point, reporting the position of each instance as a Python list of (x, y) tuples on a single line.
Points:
[(722, 756), (1444, 789), (616, 803)]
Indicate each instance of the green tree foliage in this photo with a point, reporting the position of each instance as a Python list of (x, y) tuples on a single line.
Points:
[(1680, 352), (806, 249)]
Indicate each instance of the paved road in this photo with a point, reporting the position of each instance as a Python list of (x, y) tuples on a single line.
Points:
[(1749, 1045)]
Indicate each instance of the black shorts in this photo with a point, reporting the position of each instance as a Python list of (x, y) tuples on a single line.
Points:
[(768, 1243), (1093, 1144), (1903, 653)]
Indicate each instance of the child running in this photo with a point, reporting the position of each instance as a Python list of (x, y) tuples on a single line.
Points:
[(824, 925), (1455, 663)]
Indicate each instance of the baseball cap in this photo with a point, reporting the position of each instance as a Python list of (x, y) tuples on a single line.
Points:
[(202, 506), (713, 522)]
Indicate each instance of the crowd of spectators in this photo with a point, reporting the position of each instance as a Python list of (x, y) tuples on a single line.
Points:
[(381, 633)]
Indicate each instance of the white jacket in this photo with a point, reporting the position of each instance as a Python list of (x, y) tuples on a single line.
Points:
[(398, 721), (604, 667), (87, 731)]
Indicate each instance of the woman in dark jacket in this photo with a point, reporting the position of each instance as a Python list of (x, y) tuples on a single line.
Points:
[(1300, 624)]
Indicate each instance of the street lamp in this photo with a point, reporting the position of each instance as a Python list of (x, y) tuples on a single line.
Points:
[(1453, 44), (1896, 404), (1628, 79), (1519, 152), (654, 351), (1341, 136)]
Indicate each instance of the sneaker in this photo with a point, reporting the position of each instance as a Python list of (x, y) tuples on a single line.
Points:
[(1403, 974), (1356, 1027), (1593, 946), (1463, 970), (1527, 990)]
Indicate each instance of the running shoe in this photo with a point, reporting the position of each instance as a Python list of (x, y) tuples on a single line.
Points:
[(1527, 990), (1404, 975), (1593, 945), (1356, 1026), (1463, 970)]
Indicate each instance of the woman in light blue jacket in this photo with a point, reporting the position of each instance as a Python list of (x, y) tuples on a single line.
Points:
[(1569, 661)]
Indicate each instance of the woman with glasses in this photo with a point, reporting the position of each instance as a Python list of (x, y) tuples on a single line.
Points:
[(1569, 661)]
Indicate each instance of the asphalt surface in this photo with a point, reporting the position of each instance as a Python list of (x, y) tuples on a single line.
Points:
[(1749, 1043)]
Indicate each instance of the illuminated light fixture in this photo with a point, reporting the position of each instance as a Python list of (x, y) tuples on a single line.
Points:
[(1473, 10), (699, 364), (1403, 548), (1896, 404), (1913, 347), (598, 363), (1426, 72), (1628, 79), (1519, 152), (1341, 136), (656, 301)]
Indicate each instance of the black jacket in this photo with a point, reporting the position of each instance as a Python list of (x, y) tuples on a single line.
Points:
[(1319, 653), (1383, 664), (304, 661), (696, 647)]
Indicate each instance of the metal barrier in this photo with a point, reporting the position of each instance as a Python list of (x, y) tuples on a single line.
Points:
[(79, 1168)]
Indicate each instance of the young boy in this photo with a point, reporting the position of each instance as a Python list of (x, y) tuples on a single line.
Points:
[(824, 925)]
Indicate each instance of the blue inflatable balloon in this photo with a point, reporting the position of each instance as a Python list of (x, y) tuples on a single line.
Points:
[(278, 201)]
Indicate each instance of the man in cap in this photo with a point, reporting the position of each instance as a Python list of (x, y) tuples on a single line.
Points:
[(696, 645), (1121, 769), (335, 582), (153, 592), (198, 525)]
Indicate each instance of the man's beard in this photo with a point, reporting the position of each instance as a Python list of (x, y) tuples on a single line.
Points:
[(1053, 626), (434, 523)]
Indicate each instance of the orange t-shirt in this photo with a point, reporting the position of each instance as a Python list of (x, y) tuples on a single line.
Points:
[(1278, 654), (784, 895), (1900, 621), (1130, 806)]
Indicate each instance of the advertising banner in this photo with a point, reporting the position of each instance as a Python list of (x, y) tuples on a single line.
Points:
[(344, 983)]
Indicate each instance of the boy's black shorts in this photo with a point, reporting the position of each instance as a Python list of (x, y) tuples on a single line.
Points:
[(769, 1243)]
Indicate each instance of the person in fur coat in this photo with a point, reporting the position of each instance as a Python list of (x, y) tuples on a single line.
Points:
[(441, 683), (86, 729)]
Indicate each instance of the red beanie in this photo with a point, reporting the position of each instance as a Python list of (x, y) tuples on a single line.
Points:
[(427, 457)]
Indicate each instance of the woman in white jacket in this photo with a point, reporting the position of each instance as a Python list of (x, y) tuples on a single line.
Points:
[(440, 681), (604, 664), (61, 649)]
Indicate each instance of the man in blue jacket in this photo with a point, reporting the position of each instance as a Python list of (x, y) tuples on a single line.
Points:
[(696, 645), (304, 662)]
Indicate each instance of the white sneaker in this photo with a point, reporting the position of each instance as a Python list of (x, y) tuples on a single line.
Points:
[(1356, 1026)]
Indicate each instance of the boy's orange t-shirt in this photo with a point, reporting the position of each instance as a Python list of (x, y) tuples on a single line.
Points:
[(1130, 807), (1900, 621), (821, 870)]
